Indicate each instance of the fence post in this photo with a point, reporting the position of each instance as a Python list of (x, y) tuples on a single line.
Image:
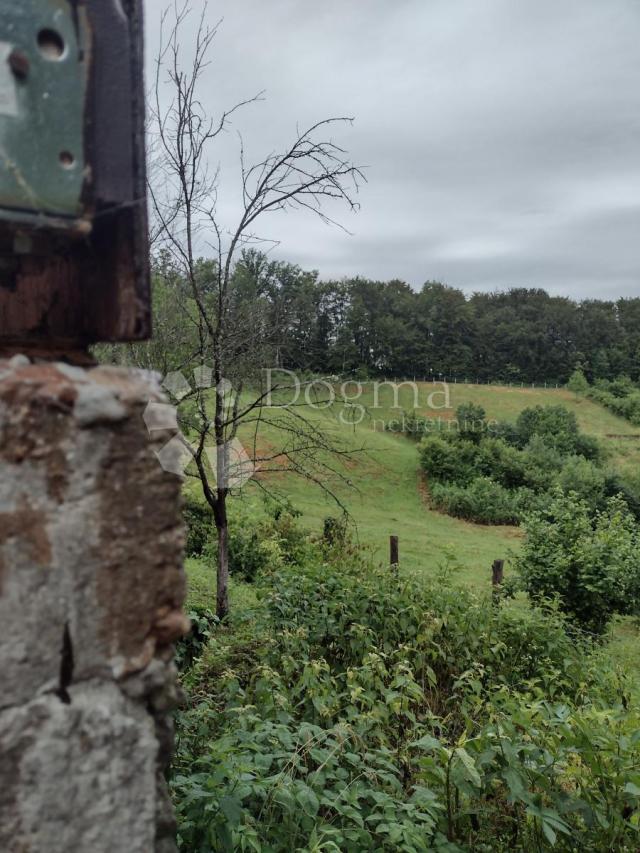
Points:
[(497, 576), (394, 552)]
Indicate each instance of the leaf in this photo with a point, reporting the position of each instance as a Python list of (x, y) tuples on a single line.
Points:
[(427, 743), (516, 783), (232, 810), (308, 800), (284, 798), (471, 773), (549, 833)]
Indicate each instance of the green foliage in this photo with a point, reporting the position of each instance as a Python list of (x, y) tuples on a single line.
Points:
[(503, 463), (590, 564), (627, 486), (585, 479), (200, 525), (483, 501), (499, 476), (259, 537), (335, 531), (621, 396), (555, 425), (578, 383), (190, 648), (472, 421), (360, 711), (443, 459), (542, 464)]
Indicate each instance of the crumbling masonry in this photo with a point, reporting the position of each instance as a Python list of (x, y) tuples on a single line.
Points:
[(91, 591)]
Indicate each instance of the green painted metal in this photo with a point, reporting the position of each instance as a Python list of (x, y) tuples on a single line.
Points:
[(44, 52)]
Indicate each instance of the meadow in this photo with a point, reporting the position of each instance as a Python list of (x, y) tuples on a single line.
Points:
[(387, 494)]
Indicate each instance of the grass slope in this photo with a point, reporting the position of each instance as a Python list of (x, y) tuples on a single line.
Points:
[(389, 496)]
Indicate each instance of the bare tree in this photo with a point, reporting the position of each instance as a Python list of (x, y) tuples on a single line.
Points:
[(312, 173)]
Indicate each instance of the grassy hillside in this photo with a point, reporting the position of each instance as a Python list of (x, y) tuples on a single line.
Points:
[(389, 496)]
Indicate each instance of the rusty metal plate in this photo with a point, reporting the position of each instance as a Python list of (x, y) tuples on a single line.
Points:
[(44, 55), (74, 253)]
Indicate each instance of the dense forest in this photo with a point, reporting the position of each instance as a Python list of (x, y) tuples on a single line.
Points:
[(377, 328)]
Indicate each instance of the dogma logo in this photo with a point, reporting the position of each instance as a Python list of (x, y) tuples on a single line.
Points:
[(229, 463)]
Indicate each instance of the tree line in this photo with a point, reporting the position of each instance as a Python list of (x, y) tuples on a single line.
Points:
[(360, 327)]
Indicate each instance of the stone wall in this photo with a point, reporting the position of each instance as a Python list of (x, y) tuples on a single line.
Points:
[(91, 591)]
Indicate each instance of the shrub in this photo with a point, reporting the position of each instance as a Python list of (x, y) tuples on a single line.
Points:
[(578, 383), (379, 713), (260, 541), (621, 396), (505, 431), (589, 564), (555, 425), (199, 523), (472, 421), (483, 501), (503, 463), (589, 447), (259, 537), (582, 477), (542, 464), (447, 459), (189, 648), (627, 486)]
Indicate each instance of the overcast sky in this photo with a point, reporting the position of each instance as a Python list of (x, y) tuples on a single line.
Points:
[(501, 137)]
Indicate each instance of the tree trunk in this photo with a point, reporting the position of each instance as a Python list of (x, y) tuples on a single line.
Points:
[(222, 605), (222, 525)]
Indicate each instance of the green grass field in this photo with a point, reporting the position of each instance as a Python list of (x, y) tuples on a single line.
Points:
[(388, 495)]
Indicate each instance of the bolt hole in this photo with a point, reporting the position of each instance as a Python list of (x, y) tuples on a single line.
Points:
[(67, 160), (51, 45)]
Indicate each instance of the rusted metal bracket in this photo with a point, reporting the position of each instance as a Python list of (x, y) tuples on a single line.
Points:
[(74, 265)]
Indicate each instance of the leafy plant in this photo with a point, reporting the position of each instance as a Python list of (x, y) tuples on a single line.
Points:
[(362, 711), (590, 564), (578, 383), (483, 501)]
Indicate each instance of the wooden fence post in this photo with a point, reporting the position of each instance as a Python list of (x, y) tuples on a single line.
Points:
[(497, 576), (394, 552)]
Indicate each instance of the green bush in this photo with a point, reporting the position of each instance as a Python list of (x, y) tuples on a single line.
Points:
[(582, 477), (621, 396), (498, 476), (555, 425), (200, 525), (503, 463), (446, 459), (542, 464), (578, 382), (383, 714), (483, 501), (190, 648), (259, 537), (627, 486), (472, 422), (590, 564)]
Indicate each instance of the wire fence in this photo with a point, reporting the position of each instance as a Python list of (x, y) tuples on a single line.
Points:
[(470, 381)]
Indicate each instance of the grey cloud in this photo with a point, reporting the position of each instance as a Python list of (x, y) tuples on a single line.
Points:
[(502, 136)]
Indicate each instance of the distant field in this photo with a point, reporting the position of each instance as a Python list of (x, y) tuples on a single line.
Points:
[(389, 497)]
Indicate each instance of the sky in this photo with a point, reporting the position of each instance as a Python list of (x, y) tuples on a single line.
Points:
[(501, 138)]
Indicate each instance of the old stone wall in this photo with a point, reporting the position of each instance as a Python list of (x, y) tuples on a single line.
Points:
[(91, 591)]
